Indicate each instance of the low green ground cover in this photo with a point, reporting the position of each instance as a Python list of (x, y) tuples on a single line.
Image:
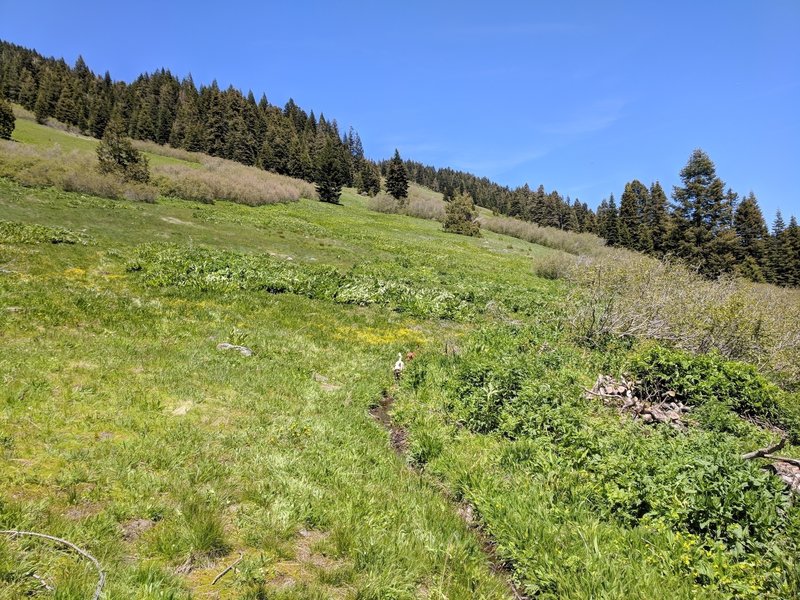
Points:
[(124, 429), (568, 487)]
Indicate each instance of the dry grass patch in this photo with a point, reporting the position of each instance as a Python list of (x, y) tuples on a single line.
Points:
[(420, 203), (568, 241), (624, 294), (215, 178)]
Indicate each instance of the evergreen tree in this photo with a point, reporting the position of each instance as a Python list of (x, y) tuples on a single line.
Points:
[(793, 251), (611, 223), (67, 109), (212, 113), (100, 106), (369, 180), (700, 214), (752, 234), (397, 177), (6, 120), (239, 140), (329, 174), (658, 219), (632, 208), (780, 253), (47, 96), (116, 154), (461, 216), (27, 90), (166, 110), (186, 131)]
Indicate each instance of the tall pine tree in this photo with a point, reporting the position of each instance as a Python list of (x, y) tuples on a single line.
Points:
[(700, 214), (397, 177), (6, 120)]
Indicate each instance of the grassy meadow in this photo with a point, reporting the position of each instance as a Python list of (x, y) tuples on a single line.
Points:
[(123, 428)]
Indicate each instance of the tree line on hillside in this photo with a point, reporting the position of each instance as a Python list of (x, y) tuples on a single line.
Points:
[(706, 225), (161, 108), (549, 209)]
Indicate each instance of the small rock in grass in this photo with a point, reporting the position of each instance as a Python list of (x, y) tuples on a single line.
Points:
[(182, 409), (243, 350)]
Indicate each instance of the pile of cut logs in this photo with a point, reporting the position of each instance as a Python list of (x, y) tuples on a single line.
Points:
[(623, 395)]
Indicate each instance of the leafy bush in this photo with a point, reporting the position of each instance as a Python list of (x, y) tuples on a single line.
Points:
[(461, 216), (698, 380), (116, 154), (558, 462), (27, 233), (507, 381), (204, 270)]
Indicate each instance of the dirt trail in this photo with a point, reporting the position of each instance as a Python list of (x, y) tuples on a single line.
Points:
[(398, 438)]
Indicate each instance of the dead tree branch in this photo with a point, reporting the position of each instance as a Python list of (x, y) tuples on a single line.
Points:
[(101, 574)]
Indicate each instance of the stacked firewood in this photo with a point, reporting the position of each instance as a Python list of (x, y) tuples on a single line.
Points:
[(624, 396)]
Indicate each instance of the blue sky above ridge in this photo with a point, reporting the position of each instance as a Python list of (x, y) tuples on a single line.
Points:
[(579, 96)]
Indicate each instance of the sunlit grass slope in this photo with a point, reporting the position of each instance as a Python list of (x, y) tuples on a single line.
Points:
[(125, 430)]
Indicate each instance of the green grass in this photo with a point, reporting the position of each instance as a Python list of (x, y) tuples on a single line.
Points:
[(30, 132), (117, 406), (124, 429)]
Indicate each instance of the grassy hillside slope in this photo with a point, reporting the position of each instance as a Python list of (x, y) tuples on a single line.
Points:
[(126, 431)]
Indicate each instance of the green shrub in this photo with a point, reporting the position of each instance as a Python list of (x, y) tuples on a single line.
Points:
[(508, 382), (209, 270), (701, 379), (116, 154), (461, 216), (6, 120), (28, 233)]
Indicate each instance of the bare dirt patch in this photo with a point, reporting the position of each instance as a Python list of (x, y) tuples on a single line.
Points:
[(398, 437), (175, 221), (131, 530)]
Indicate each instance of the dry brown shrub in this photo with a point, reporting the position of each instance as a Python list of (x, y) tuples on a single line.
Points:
[(73, 171), (558, 239), (168, 151), (220, 179), (417, 205), (624, 294), (215, 179), (553, 265)]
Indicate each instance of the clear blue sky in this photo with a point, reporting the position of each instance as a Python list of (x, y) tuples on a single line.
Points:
[(579, 96)]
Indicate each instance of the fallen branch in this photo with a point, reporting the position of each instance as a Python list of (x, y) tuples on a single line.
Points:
[(588, 391), (42, 582), (763, 452), (101, 574), (228, 568)]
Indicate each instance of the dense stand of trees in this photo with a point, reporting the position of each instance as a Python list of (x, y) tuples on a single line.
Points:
[(545, 208), (161, 108), (705, 224)]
